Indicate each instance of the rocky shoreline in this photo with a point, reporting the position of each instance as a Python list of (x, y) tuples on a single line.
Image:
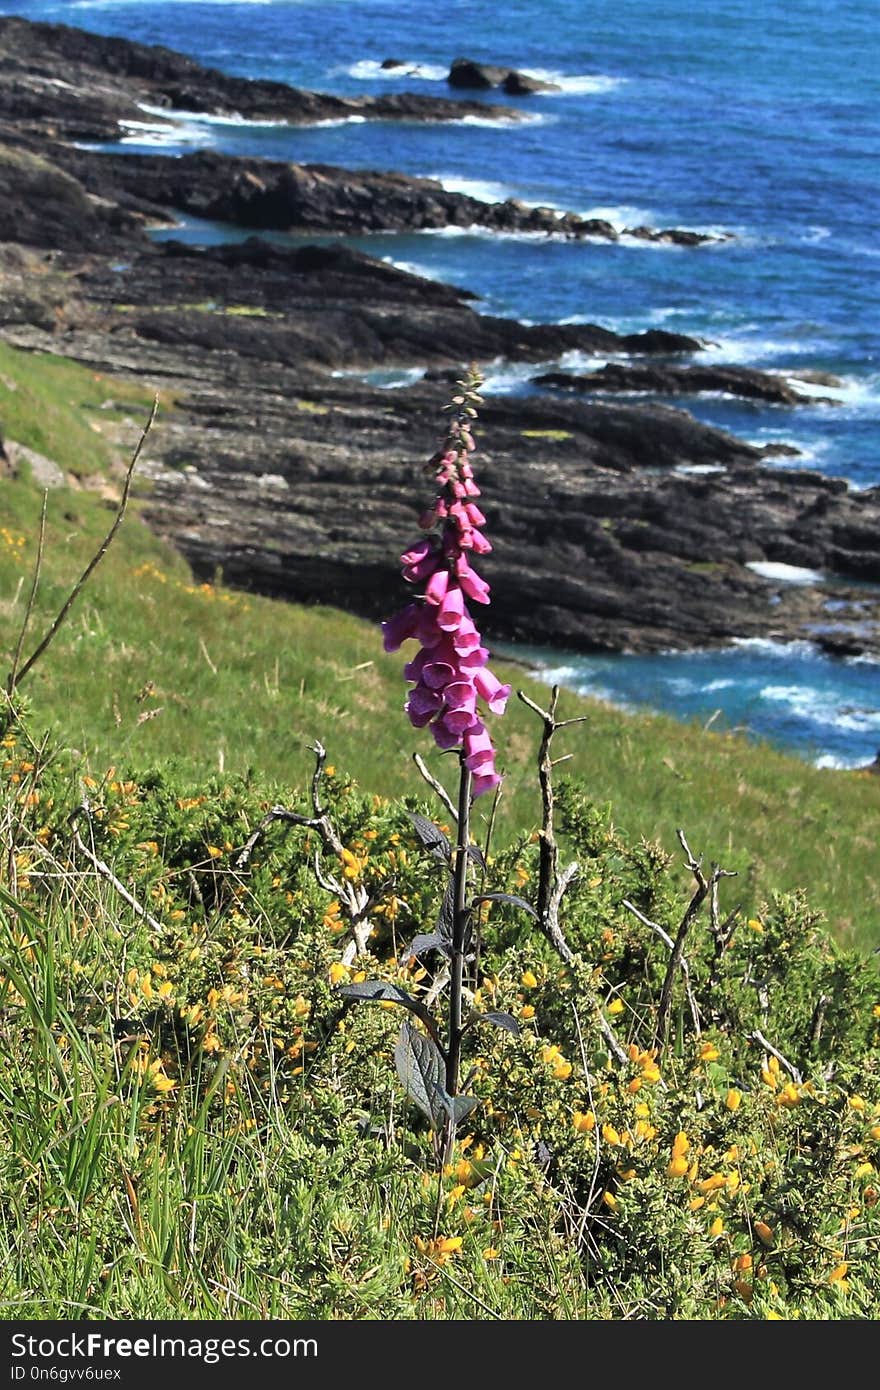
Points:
[(617, 524)]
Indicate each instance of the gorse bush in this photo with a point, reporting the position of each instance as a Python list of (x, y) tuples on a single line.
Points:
[(663, 1105)]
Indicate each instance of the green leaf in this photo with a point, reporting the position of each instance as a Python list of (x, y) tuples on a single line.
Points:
[(446, 920), (382, 990), (477, 855), (500, 1020), (461, 1107), (431, 837), (422, 1070), (420, 945), (510, 898)]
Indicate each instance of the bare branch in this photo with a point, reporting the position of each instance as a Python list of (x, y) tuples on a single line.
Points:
[(758, 1037), (355, 899), (38, 565), (550, 921), (548, 870), (670, 945), (320, 753), (611, 1038), (104, 869), (435, 786), (277, 813), (703, 889), (818, 1020), (95, 560)]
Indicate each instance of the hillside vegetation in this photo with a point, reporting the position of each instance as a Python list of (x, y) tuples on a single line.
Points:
[(154, 667), (198, 1124)]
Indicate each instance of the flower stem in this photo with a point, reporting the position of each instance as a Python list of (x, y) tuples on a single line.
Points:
[(459, 930)]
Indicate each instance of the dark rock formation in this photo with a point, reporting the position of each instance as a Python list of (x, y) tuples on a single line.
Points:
[(79, 86), (60, 84), (268, 195), (41, 205), (598, 546), (467, 74), (666, 380), (521, 84), (273, 462)]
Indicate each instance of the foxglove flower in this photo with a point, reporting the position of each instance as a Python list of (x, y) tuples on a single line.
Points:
[(449, 670)]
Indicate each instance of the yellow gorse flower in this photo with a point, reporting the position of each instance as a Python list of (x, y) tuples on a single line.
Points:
[(584, 1121)]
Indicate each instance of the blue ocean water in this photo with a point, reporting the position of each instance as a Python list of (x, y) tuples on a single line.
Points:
[(757, 117)]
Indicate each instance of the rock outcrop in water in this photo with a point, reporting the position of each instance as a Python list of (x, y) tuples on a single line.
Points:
[(469, 75), (280, 461), (82, 86), (268, 195), (669, 379)]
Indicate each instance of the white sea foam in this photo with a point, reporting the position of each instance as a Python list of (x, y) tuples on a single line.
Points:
[(621, 215), (839, 763), (159, 136), (769, 646), (574, 84), (531, 118), (816, 707), (385, 378), (233, 118), (699, 468), (368, 69), (413, 268), (740, 348), (475, 229), (585, 682), (785, 574), (482, 189), (569, 84), (858, 393), (819, 233), (501, 378), (331, 121)]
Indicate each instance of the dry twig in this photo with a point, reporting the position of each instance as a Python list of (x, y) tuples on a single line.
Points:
[(16, 676), (703, 889), (84, 810), (354, 898)]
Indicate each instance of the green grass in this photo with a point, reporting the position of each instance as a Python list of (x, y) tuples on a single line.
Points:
[(64, 411)]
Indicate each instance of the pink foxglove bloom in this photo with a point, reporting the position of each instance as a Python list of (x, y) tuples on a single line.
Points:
[(449, 670)]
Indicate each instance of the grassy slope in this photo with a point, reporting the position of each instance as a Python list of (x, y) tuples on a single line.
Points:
[(151, 667)]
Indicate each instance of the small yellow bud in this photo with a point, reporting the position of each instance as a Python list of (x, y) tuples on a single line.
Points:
[(764, 1233)]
